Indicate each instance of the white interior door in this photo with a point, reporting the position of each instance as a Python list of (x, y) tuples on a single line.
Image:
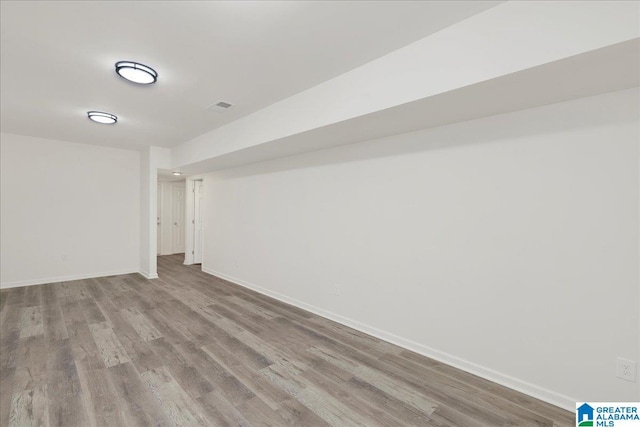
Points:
[(159, 222), (178, 209), (197, 221), (166, 218)]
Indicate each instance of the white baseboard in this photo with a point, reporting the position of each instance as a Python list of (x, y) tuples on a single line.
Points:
[(43, 281), (549, 396), (147, 275)]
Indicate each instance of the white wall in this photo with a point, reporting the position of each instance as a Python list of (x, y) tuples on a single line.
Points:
[(151, 159), (507, 246), (68, 210)]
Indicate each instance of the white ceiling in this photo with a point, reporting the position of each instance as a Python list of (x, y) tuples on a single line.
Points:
[(57, 59), (609, 69)]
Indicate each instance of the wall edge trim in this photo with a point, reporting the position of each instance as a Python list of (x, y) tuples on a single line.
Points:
[(49, 280)]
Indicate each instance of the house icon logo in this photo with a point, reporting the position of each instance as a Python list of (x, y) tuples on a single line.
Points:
[(585, 415)]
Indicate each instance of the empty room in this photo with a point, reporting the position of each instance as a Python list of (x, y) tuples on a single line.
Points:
[(320, 213)]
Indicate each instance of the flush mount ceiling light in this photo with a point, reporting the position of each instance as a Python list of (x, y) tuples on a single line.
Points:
[(102, 117), (136, 72), (176, 173)]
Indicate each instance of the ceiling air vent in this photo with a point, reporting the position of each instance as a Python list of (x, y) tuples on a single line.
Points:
[(220, 106)]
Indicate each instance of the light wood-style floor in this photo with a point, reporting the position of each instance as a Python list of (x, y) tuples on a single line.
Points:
[(191, 349)]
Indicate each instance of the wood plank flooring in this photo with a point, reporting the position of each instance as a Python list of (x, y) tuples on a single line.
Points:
[(190, 349)]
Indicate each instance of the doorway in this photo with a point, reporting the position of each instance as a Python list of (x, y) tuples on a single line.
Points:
[(171, 217)]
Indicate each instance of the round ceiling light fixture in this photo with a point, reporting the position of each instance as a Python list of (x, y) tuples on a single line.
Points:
[(176, 173), (102, 117), (136, 72)]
